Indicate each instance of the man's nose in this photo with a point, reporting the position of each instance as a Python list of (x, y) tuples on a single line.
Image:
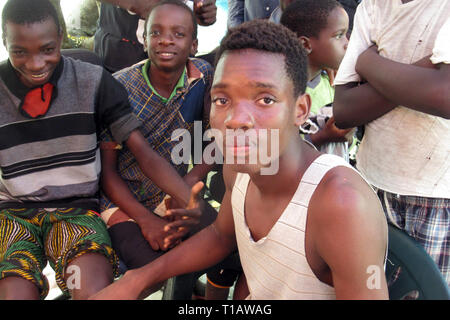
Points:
[(36, 63), (239, 117), (166, 39)]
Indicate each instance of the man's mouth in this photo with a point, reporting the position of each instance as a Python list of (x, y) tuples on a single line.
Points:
[(166, 54), (39, 76)]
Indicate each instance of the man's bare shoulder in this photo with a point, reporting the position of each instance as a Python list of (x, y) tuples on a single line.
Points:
[(344, 198)]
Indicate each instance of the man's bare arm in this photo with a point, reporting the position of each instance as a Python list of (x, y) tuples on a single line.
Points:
[(349, 233), (202, 250), (205, 10), (355, 105), (158, 169), (414, 86)]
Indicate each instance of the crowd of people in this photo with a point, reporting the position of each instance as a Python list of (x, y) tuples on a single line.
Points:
[(89, 180)]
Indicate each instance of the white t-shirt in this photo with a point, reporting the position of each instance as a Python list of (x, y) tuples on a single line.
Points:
[(405, 151), (441, 50)]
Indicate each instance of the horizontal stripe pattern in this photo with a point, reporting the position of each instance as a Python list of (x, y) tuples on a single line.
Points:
[(46, 129), (62, 160), (42, 149), (60, 181)]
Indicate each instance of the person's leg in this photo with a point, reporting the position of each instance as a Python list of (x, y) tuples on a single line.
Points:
[(79, 250), (16, 288), (22, 258), (133, 249), (431, 228), (427, 220), (87, 275), (222, 277)]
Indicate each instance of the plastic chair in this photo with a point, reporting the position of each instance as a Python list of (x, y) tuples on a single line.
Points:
[(410, 272)]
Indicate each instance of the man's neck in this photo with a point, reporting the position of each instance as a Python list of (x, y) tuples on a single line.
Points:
[(291, 167), (164, 82)]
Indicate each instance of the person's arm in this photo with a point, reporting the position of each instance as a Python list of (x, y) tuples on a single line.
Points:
[(115, 188), (202, 250), (157, 168), (355, 105), (140, 7), (348, 233), (235, 13), (114, 112), (329, 133), (423, 89), (205, 11)]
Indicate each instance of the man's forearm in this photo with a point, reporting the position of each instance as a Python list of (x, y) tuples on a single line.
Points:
[(413, 86), (199, 252), (158, 169), (357, 105)]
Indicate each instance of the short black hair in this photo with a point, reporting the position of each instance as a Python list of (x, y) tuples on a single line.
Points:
[(27, 12), (180, 4), (308, 17), (269, 37)]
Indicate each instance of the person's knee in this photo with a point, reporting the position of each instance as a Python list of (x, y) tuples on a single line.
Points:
[(88, 274), (16, 288)]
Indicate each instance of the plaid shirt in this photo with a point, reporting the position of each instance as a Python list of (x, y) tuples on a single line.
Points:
[(159, 120)]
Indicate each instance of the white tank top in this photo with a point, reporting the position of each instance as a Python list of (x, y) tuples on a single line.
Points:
[(275, 266)]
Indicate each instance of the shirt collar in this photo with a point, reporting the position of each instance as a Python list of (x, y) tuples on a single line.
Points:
[(190, 74)]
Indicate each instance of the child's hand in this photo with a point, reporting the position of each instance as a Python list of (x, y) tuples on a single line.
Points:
[(205, 11), (152, 229), (330, 133), (184, 219)]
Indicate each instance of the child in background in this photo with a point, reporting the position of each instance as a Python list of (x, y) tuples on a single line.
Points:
[(321, 27)]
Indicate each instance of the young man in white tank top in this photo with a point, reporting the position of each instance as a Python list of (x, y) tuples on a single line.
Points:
[(307, 225)]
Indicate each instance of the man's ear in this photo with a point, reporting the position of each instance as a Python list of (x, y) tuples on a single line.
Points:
[(306, 44), (302, 108), (194, 47)]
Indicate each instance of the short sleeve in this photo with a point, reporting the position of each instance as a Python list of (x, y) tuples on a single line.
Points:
[(114, 110), (360, 40), (441, 49)]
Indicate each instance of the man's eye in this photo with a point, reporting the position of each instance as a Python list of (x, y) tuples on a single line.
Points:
[(18, 53), (266, 101), (154, 33), (179, 34), (49, 50), (220, 101)]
